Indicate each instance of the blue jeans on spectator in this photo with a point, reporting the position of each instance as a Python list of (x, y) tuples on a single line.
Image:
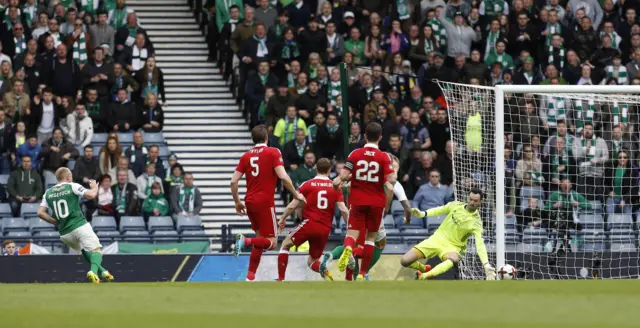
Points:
[(613, 206)]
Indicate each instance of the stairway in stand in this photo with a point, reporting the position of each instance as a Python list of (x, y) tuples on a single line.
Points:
[(203, 124)]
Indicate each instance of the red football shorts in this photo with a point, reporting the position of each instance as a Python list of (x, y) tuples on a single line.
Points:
[(263, 220), (315, 233), (365, 217)]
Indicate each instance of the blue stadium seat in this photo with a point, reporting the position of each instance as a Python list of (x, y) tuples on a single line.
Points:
[(193, 235), (592, 221), (157, 223), (619, 221), (433, 222), (189, 223), (50, 235), (165, 236), (163, 152), (622, 242), (132, 223), (49, 181), (99, 138), (389, 222), (29, 209), (37, 224), (396, 208), (396, 248), (103, 223), (5, 211), (136, 236), (593, 242), (71, 163), (510, 222), (108, 235), (14, 225), (126, 139), (18, 235), (533, 240), (415, 232), (4, 179), (151, 138)]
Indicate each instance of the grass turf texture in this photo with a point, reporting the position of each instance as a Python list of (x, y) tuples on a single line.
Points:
[(391, 304)]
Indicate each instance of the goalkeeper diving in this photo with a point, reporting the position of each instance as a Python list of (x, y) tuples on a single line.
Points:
[(450, 240)]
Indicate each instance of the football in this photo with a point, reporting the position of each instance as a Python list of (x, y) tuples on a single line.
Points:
[(507, 272)]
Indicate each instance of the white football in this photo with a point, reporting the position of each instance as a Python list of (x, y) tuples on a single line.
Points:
[(507, 272)]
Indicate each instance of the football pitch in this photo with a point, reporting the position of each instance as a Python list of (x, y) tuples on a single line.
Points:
[(392, 304)]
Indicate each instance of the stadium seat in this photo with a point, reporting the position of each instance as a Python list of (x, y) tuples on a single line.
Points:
[(396, 208), (5, 211), (37, 225), (623, 242), (29, 209), (132, 223), (136, 236), (193, 235), (592, 221), (415, 232), (17, 235), (163, 152), (4, 179), (103, 223), (14, 225), (108, 235), (157, 223), (510, 222), (50, 235), (619, 221), (434, 222), (126, 139), (165, 236), (389, 222), (49, 181), (189, 223), (99, 138), (525, 247), (395, 248), (593, 242), (151, 138), (511, 236)]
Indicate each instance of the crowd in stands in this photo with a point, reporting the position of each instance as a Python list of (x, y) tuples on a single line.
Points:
[(287, 54), (71, 71)]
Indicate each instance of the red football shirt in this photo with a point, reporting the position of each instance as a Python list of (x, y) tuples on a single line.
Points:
[(321, 200), (258, 165), (370, 167)]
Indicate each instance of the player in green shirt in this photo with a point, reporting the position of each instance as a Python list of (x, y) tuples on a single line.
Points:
[(64, 201), (450, 240)]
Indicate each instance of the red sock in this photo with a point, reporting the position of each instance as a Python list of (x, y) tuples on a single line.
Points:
[(367, 254), (349, 274), (349, 241), (258, 242), (254, 261), (283, 260), (357, 252), (315, 266)]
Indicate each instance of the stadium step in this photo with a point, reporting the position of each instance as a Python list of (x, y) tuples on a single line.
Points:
[(203, 124)]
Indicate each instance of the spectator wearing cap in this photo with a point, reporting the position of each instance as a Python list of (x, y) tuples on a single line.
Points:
[(278, 104), (17, 102), (99, 73), (24, 185), (62, 74), (329, 135), (78, 127), (264, 13), (500, 56), (286, 127), (312, 39), (459, 35), (151, 114), (101, 33), (335, 45), (396, 41), (293, 151), (347, 23), (311, 102), (527, 75), (56, 152), (123, 116), (438, 71), (371, 111)]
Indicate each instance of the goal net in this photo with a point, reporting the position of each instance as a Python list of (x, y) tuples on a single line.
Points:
[(558, 166)]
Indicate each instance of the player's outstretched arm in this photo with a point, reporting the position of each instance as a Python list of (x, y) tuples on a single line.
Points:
[(43, 213), (287, 212), (481, 249), (344, 211), (92, 193), (286, 181), (345, 175)]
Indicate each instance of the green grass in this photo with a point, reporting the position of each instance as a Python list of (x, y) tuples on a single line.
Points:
[(316, 304)]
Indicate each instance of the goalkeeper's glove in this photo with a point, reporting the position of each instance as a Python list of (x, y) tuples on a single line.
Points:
[(418, 213), (490, 271)]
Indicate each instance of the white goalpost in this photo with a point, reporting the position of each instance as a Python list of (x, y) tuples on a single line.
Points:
[(558, 166)]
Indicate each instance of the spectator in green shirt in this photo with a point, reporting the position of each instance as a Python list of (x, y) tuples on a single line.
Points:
[(565, 198), (286, 127), (155, 204), (355, 46), (304, 172)]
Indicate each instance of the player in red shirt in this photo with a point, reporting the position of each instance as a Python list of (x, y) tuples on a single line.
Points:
[(317, 221), (263, 166), (372, 171)]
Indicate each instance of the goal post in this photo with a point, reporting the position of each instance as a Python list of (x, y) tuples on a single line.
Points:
[(502, 109)]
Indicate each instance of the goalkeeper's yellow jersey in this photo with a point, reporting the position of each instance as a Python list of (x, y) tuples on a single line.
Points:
[(458, 226)]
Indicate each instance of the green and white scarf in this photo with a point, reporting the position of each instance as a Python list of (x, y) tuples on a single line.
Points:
[(555, 110), (150, 181), (119, 18), (403, 9), (80, 49), (490, 49), (617, 145), (332, 129), (121, 198), (290, 50), (289, 131), (553, 29), (89, 6), (333, 91), (279, 30), (263, 51), (560, 54), (264, 78), (536, 177), (183, 193), (619, 73), (592, 150), (428, 46), (620, 113), (313, 131), (614, 38), (291, 80), (30, 12), (558, 161), (300, 148), (581, 118), (439, 33), (493, 8), (66, 4), (21, 45), (313, 72)]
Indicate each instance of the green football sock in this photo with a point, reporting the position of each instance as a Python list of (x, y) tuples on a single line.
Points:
[(87, 257), (96, 261), (417, 266), (337, 252), (440, 269), (377, 252)]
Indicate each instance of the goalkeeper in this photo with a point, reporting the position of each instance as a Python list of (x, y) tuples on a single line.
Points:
[(450, 240)]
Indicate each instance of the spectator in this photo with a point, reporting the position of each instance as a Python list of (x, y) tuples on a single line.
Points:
[(146, 180), (18, 137), (56, 152), (99, 74), (109, 155), (97, 110), (122, 80), (566, 198), (299, 13), (396, 149), (223, 10), (529, 176), (312, 131), (294, 150), (389, 126), (559, 164), (591, 155), (6, 140), (371, 109), (123, 165), (533, 216), (79, 42), (104, 203), (175, 178), (123, 117), (63, 75), (335, 45), (24, 185), (436, 72), (620, 182), (312, 40), (396, 41), (415, 134), (9, 248), (616, 70), (459, 35), (244, 31), (265, 13), (119, 16), (151, 80), (86, 168), (278, 104), (527, 76), (523, 35), (304, 172), (78, 128), (286, 127), (43, 116), (529, 124), (500, 56), (225, 58), (432, 194), (186, 200), (418, 173), (439, 131), (426, 45), (16, 103), (617, 142), (155, 204), (101, 33), (125, 198), (585, 39), (32, 149), (329, 135), (355, 46), (151, 114), (41, 26), (310, 102), (561, 131), (444, 164), (257, 86), (133, 58)]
